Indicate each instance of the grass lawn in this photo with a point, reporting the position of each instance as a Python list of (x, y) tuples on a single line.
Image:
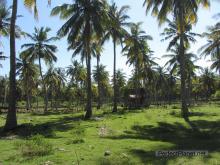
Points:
[(123, 138)]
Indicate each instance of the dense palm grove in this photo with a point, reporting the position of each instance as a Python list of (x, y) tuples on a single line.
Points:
[(88, 25)]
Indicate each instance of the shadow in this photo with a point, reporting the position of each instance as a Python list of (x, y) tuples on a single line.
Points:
[(193, 114), (182, 138), (46, 129)]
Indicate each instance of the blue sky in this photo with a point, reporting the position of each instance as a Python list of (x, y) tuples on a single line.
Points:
[(136, 13)]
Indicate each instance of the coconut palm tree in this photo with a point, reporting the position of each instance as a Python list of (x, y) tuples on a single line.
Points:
[(207, 81), (77, 74), (40, 49), (97, 49), (183, 12), (213, 46), (136, 49), (180, 40), (85, 19), (101, 77), (28, 73), (11, 120), (116, 30), (121, 83), (55, 80)]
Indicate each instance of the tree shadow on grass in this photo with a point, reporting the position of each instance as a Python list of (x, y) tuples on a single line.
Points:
[(182, 138), (47, 129)]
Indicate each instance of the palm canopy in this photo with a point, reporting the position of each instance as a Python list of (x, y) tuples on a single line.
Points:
[(162, 8), (213, 41), (40, 46), (136, 48), (212, 47), (78, 47), (84, 18), (100, 74), (27, 71), (5, 18), (32, 5), (76, 72), (172, 33), (117, 23), (55, 77), (173, 63)]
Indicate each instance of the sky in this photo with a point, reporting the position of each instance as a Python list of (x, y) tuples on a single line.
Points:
[(136, 13)]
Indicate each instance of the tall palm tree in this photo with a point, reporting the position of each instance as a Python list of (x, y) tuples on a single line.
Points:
[(11, 120), (213, 46), (136, 49), (116, 30), (85, 18), (40, 49), (28, 73), (184, 12), (97, 48)]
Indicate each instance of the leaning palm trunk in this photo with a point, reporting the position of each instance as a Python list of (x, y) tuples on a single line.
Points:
[(184, 107), (11, 120), (44, 88), (114, 79)]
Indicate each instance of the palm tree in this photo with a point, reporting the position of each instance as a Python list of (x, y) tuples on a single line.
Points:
[(183, 12), (101, 77), (116, 30), (213, 46), (173, 65), (55, 80), (40, 49), (11, 120), (28, 73), (77, 74), (120, 84), (86, 18), (97, 49), (207, 81), (136, 49)]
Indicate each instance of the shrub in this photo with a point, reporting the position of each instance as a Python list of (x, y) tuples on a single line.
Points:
[(217, 94), (35, 146)]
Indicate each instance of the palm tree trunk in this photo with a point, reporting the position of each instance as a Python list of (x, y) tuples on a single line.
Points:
[(218, 55), (99, 87), (184, 107), (5, 95), (44, 87), (11, 120), (88, 114), (114, 79)]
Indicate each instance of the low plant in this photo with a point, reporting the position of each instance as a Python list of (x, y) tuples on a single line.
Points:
[(35, 146)]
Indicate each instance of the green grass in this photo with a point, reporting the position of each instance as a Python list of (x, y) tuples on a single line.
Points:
[(130, 137)]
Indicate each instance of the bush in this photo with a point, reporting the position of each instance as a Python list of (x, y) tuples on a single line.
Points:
[(217, 94), (35, 146)]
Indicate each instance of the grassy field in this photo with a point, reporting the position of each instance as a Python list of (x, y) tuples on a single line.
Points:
[(130, 137)]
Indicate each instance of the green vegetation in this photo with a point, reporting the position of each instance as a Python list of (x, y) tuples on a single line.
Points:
[(126, 137)]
